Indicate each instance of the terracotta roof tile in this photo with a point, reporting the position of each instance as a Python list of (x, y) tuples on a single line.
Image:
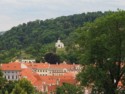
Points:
[(28, 74), (11, 66), (37, 80), (38, 65), (52, 88)]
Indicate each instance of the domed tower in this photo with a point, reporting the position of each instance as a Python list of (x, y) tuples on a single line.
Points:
[(59, 44)]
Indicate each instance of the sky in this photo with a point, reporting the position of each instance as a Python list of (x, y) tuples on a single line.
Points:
[(15, 12)]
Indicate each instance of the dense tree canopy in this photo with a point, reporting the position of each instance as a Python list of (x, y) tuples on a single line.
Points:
[(52, 58), (26, 85), (23, 86), (37, 38), (103, 52), (69, 89)]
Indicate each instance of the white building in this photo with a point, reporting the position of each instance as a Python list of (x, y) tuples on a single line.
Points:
[(59, 44), (46, 69), (44, 77), (11, 71), (28, 60)]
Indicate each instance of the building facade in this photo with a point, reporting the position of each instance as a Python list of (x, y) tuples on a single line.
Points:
[(11, 71), (44, 77)]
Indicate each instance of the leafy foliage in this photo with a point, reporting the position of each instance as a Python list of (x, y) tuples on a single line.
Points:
[(22, 86), (8, 87), (37, 38), (69, 89), (103, 46), (52, 58), (26, 86)]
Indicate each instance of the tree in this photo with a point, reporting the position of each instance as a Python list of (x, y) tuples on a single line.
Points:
[(26, 86), (9, 86), (23, 86), (0, 91), (52, 58), (103, 46), (17, 89), (69, 89), (2, 81), (6, 92), (1, 73), (35, 35)]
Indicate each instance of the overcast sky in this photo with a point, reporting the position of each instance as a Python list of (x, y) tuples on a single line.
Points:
[(15, 12)]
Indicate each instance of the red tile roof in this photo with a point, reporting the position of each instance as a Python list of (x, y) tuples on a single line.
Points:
[(52, 88), (28, 74), (47, 65), (38, 65), (71, 74), (38, 85), (11, 66), (39, 81), (61, 66)]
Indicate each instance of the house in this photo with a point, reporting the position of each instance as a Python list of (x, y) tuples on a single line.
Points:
[(46, 69), (11, 71), (28, 60), (44, 77)]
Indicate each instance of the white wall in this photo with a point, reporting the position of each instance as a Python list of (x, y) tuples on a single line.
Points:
[(11, 75)]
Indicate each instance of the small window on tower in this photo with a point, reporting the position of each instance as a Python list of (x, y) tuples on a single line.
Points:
[(58, 45)]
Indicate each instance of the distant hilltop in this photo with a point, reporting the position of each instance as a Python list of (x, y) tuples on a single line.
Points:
[(2, 32), (36, 38)]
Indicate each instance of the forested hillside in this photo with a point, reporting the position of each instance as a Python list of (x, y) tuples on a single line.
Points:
[(35, 39)]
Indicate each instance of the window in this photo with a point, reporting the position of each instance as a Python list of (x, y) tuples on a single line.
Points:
[(58, 45), (16, 77), (8, 77), (64, 70), (12, 77)]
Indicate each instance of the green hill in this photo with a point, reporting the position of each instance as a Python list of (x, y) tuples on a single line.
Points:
[(36, 38)]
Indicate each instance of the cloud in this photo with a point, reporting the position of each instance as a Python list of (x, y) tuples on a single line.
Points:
[(14, 12)]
